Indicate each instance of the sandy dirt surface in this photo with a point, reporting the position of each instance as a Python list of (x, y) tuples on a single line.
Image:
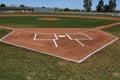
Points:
[(74, 44), (48, 19), (67, 48), (93, 17)]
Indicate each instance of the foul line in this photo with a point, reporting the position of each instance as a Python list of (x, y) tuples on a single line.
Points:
[(97, 50), (39, 51), (7, 35), (108, 34), (78, 61)]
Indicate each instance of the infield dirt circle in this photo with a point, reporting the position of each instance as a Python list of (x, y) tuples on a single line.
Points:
[(48, 19)]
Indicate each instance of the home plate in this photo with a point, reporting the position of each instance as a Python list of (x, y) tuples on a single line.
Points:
[(62, 36)]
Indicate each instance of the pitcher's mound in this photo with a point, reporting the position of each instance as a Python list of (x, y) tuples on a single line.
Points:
[(48, 19)]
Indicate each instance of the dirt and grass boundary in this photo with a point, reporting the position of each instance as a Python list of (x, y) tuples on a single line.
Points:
[(98, 28)]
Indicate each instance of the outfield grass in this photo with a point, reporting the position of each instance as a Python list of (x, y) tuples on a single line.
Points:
[(32, 22), (21, 64)]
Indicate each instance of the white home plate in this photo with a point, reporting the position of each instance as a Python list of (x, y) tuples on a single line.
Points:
[(62, 36)]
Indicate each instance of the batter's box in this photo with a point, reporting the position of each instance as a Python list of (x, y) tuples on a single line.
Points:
[(45, 36), (79, 36)]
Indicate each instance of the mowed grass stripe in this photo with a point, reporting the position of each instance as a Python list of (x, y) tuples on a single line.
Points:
[(32, 22)]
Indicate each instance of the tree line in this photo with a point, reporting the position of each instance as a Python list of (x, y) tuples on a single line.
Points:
[(101, 7), (4, 5)]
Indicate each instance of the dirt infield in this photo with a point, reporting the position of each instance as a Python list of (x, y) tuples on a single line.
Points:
[(48, 19), (73, 44)]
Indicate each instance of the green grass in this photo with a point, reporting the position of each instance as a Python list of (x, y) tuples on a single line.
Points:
[(21, 64), (32, 22), (3, 32)]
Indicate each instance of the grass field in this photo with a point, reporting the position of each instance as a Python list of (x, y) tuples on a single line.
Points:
[(3, 32), (32, 22), (21, 64)]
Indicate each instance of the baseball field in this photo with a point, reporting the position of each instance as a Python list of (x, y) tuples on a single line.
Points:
[(27, 40)]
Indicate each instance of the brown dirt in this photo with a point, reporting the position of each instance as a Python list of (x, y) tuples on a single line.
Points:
[(107, 26), (48, 19), (68, 49), (93, 17)]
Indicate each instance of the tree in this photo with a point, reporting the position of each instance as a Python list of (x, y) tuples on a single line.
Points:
[(2, 5), (67, 9), (22, 5), (100, 6), (106, 8), (112, 5), (44, 7), (87, 5)]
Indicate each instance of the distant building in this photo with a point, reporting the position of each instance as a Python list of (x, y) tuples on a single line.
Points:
[(44, 10), (15, 9), (26, 9)]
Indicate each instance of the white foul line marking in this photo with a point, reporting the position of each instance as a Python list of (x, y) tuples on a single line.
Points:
[(6, 35), (79, 42), (56, 45), (35, 36), (90, 54)]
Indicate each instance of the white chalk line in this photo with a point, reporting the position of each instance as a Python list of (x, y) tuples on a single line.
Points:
[(55, 43), (79, 42), (69, 36), (97, 50), (56, 38), (75, 39), (7, 35), (43, 39), (54, 34), (87, 36), (35, 36), (46, 33), (108, 34), (78, 61), (39, 51)]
